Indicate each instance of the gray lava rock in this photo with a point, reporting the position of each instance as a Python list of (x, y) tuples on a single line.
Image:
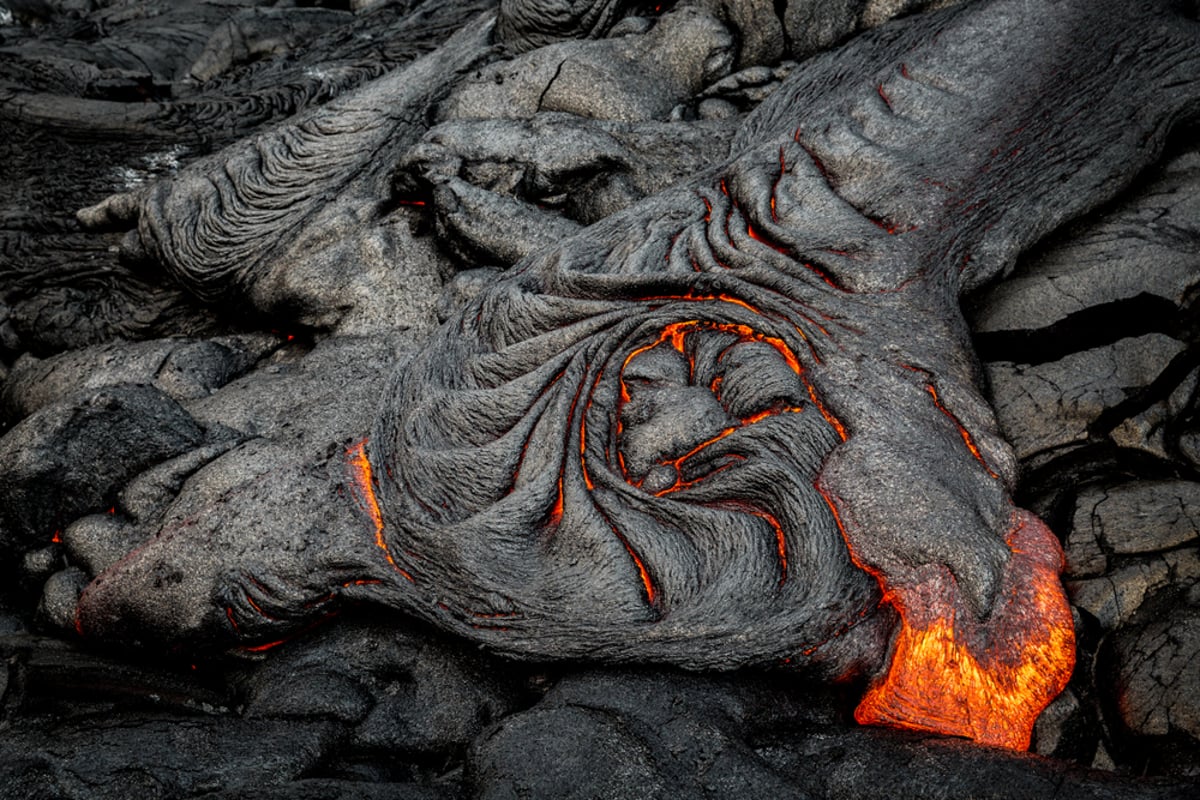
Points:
[(639, 77), (401, 691), (640, 735), (1104, 261), (71, 457), (1051, 407), (1116, 598), (1156, 668), (147, 755), (1137, 517), (98, 541), (60, 597), (184, 369)]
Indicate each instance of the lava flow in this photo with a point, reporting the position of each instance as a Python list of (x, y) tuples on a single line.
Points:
[(987, 680)]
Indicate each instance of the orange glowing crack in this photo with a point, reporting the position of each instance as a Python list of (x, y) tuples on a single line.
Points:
[(587, 406), (258, 609), (883, 96), (758, 237), (780, 542), (968, 440), (962, 431), (890, 228), (364, 484), (829, 417), (556, 512), (643, 573)]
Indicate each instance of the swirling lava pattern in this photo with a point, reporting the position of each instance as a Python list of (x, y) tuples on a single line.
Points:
[(628, 479)]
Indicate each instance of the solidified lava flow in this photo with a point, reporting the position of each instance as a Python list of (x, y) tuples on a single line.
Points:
[(736, 422)]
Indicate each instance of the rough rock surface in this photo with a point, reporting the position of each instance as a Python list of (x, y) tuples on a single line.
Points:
[(277, 205)]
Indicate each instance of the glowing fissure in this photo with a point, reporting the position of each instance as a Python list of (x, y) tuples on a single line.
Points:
[(965, 434), (780, 542), (648, 587), (364, 483), (825, 412), (887, 101), (968, 440)]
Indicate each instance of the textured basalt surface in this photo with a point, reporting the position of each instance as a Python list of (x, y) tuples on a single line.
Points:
[(615, 338)]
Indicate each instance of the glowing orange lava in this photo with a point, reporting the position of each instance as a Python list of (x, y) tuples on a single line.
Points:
[(953, 674), (363, 482)]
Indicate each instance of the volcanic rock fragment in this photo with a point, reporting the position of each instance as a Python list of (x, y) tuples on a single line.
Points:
[(636, 77), (1050, 407), (72, 456)]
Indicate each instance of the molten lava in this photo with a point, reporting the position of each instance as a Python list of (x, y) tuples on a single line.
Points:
[(363, 482), (988, 680)]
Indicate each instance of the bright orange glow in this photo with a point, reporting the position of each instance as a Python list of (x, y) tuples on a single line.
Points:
[(829, 417), (968, 440), (647, 583), (262, 648), (988, 680), (556, 513), (955, 675), (823, 275), (57, 538), (758, 237), (257, 608), (887, 101), (364, 484)]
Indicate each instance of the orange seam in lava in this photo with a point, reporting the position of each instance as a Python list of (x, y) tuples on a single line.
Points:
[(883, 96), (962, 431), (556, 513), (780, 542), (258, 608), (968, 440), (823, 275), (829, 417), (643, 573), (587, 478), (758, 237), (360, 470)]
